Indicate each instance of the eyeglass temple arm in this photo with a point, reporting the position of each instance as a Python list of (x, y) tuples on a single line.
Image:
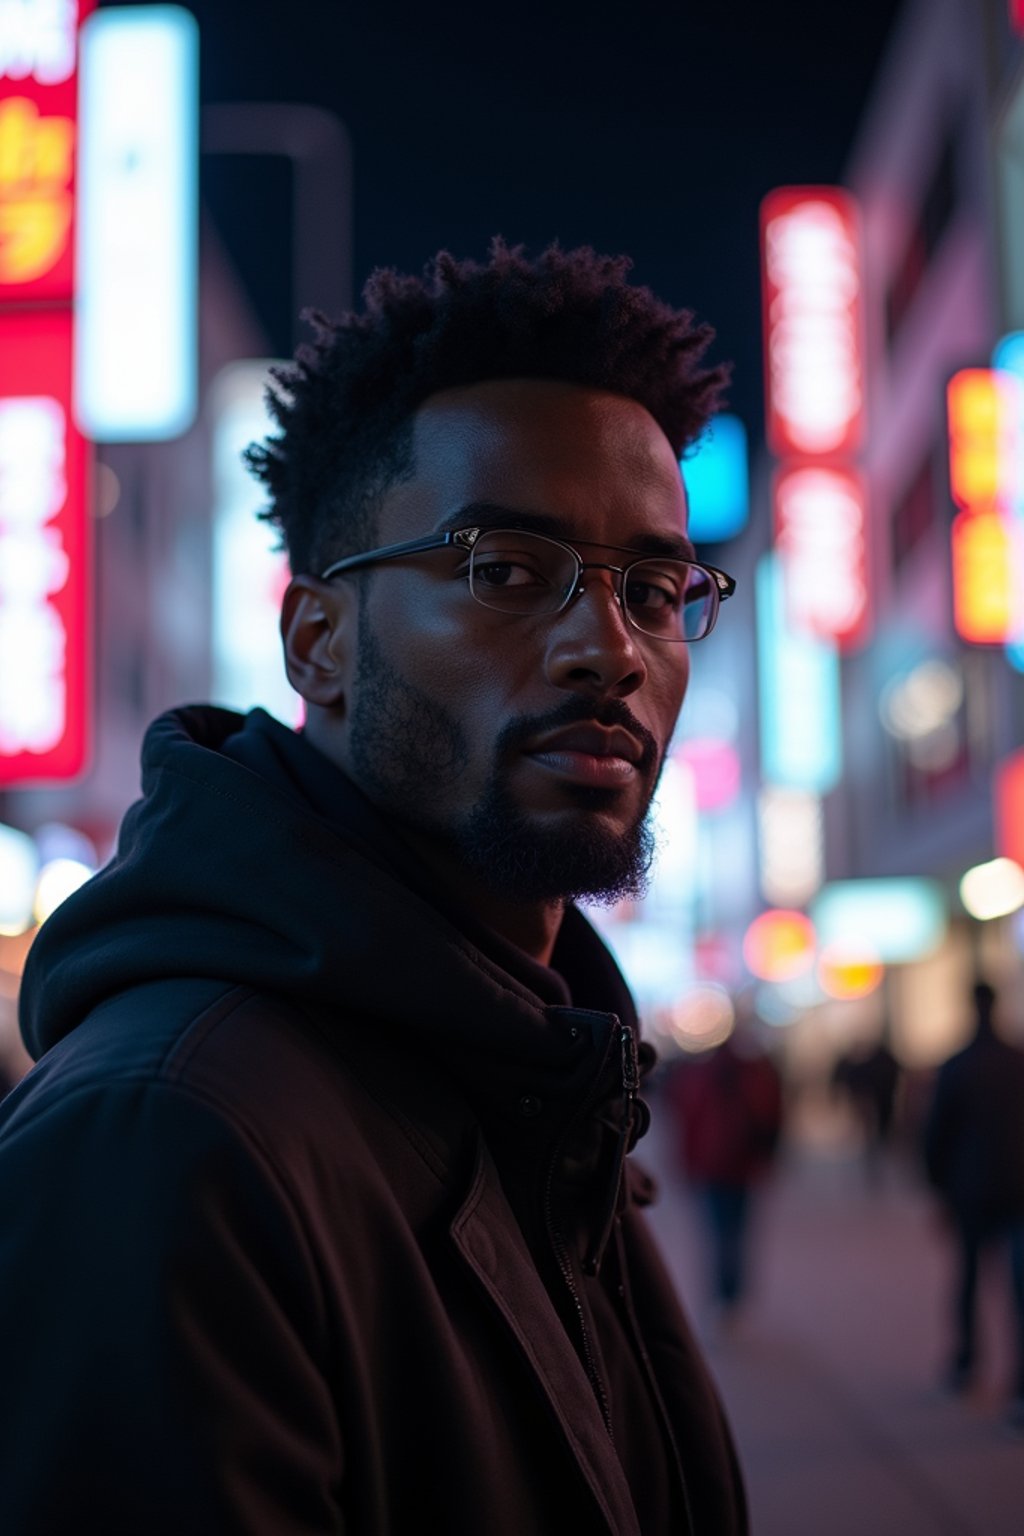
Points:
[(371, 556)]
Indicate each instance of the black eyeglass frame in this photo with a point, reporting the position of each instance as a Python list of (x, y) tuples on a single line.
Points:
[(466, 538)]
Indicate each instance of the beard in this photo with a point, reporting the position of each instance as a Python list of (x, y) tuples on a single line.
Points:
[(407, 751)]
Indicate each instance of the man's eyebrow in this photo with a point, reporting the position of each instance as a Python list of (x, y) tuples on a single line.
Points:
[(494, 514)]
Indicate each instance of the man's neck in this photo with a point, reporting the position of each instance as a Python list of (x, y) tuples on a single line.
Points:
[(530, 926)]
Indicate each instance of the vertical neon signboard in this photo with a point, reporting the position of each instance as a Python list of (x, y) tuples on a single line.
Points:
[(1008, 357), (136, 374), (798, 678), (820, 516), (813, 326), (44, 554), (38, 112), (716, 477), (985, 416)]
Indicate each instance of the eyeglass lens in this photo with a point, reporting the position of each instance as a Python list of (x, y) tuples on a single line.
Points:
[(525, 573)]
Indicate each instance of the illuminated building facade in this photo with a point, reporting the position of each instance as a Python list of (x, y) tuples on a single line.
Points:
[(896, 518)]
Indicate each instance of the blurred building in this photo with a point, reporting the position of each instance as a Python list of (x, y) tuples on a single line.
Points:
[(876, 759), (152, 506), (928, 717)]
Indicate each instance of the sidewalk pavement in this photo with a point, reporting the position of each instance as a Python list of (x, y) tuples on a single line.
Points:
[(830, 1377)]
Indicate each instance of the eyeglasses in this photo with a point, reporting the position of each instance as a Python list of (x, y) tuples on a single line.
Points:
[(520, 573)]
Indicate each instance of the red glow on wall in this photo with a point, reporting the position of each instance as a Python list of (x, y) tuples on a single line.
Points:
[(820, 518), (1017, 15), (813, 326), (1008, 807), (45, 568), (38, 122)]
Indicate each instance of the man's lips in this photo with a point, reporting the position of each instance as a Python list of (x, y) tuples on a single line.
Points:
[(589, 754)]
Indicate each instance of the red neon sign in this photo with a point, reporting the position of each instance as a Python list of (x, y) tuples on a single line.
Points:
[(811, 290), (38, 111), (1008, 807), (821, 522), (1017, 15), (45, 576)]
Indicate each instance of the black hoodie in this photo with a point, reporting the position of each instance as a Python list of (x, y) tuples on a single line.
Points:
[(268, 963)]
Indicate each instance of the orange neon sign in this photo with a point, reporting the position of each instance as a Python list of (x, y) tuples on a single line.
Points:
[(36, 167), (987, 575), (983, 407)]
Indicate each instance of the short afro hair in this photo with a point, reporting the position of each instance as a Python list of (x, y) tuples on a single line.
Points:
[(345, 406)]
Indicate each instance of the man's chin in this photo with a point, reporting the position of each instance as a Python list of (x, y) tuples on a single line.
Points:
[(562, 857)]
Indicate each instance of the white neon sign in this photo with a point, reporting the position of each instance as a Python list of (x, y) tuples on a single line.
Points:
[(811, 272), (137, 249), (34, 567), (38, 40)]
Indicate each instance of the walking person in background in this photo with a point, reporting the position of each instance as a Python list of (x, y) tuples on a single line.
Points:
[(974, 1154), (728, 1104), (869, 1079)]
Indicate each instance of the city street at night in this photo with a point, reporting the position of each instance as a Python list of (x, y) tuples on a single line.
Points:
[(832, 1377), (511, 613)]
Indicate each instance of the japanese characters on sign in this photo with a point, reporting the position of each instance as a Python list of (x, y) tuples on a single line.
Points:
[(814, 377), (44, 546), (38, 87), (44, 576)]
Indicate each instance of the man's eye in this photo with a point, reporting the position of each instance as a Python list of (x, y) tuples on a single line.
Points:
[(653, 595), (504, 573)]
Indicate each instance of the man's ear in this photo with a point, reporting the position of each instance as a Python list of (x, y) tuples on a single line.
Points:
[(318, 628)]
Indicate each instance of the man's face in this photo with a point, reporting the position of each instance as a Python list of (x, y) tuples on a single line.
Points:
[(524, 747)]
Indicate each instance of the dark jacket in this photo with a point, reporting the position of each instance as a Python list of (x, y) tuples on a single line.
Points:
[(974, 1133), (315, 1215)]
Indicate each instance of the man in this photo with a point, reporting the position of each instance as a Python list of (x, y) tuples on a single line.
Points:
[(974, 1154), (729, 1115), (318, 1209)]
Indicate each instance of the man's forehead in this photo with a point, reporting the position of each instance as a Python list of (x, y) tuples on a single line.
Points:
[(530, 404), (592, 465)]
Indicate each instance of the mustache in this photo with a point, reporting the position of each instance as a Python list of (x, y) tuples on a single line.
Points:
[(519, 732)]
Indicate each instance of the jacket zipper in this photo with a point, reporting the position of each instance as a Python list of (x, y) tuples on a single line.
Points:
[(630, 1085), (565, 1265)]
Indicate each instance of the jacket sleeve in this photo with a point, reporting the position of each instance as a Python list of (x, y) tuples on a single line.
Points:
[(161, 1332)]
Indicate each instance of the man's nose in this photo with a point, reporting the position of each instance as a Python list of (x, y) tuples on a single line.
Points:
[(593, 648)]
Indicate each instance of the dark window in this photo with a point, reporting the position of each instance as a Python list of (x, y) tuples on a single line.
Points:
[(914, 515), (925, 238)]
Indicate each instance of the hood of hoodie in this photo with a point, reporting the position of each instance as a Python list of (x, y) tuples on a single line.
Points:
[(224, 870)]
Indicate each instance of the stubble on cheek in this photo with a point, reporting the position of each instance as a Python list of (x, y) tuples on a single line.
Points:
[(405, 747)]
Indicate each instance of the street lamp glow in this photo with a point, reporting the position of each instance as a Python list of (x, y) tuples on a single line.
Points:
[(993, 889), (58, 879)]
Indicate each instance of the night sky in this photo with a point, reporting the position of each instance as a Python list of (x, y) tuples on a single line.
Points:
[(650, 128)]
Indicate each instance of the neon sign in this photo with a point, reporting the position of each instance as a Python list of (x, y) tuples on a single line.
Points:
[(814, 360), (44, 555), (136, 358), (800, 748), (820, 514), (985, 416), (38, 87), (1008, 807)]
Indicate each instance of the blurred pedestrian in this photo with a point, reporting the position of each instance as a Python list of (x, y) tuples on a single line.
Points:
[(728, 1106), (318, 1211), (869, 1079), (974, 1154)]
